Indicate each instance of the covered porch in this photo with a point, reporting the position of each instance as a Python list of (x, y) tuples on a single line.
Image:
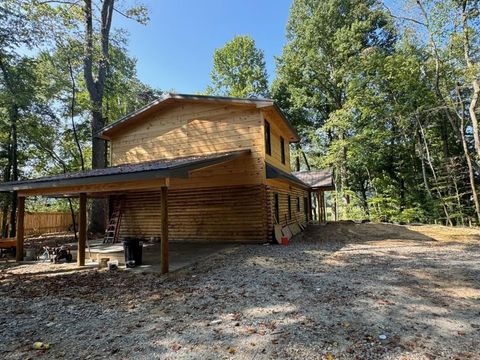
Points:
[(320, 182), (155, 176)]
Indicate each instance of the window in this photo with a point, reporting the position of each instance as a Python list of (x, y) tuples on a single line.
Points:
[(277, 208), (305, 206), (298, 204), (268, 140), (282, 149), (289, 202)]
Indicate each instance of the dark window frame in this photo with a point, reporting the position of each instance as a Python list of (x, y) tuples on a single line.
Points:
[(282, 149), (298, 203), (289, 203), (305, 206), (276, 204), (268, 138)]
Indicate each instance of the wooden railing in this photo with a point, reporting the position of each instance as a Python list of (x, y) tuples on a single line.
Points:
[(37, 223)]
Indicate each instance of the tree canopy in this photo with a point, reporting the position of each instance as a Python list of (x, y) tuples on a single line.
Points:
[(389, 101), (239, 69)]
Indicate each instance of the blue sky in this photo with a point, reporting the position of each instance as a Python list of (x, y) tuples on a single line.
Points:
[(175, 50)]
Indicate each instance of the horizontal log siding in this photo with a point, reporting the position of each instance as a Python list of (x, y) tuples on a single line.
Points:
[(283, 192), (275, 158), (235, 213), (198, 129)]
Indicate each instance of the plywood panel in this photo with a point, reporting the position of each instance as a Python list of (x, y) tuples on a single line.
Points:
[(236, 213)]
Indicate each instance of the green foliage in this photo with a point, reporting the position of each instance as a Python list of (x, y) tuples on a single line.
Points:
[(361, 93), (239, 69), (44, 92)]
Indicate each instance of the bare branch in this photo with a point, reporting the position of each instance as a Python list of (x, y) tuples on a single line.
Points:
[(404, 17)]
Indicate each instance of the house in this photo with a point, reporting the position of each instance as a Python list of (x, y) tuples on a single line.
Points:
[(190, 167)]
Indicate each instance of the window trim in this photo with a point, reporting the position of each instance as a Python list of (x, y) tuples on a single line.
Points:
[(282, 150), (276, 204), (298, 203), (305, 206), (289, 203), (267, 137)]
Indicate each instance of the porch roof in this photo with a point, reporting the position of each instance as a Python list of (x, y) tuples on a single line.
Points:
[(317, 179), (276, 173), (122, 177)]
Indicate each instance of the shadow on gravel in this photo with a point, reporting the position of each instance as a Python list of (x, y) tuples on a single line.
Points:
[(334, 290)]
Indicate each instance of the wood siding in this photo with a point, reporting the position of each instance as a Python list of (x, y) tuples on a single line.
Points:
[(236, 213), (276, 132), (198, 129), (283, 190)]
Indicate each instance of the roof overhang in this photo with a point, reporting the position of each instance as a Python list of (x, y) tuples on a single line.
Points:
[(322, 180), (152, 174), (170, 99), (276, 173)]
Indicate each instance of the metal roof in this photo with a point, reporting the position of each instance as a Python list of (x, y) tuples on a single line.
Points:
[(169, 98), (178, 167), (317, 179), (275, 173)]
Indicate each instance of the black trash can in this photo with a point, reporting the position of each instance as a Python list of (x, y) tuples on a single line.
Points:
[(132, 248)]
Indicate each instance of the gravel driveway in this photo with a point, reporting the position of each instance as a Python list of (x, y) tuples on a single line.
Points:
[(340, 291)]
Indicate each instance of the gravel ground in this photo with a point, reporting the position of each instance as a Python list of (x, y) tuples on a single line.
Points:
[(331, 294)]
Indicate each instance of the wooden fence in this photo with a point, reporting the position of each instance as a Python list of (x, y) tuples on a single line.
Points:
[(46, 222)]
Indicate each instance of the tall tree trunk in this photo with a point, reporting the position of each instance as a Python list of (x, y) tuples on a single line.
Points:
[(7, 198), (14, 177), (72, 116), (344, 172), (434, 173), (458, 131), (475, 81), (12, 167), (471, 174), (96, 87), (457, 192), (473, 116)]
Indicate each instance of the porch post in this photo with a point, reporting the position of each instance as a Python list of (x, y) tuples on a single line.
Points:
[(309, 206), (82, 230), (20, 228), (319, 205), (164, 220), (324, 208)]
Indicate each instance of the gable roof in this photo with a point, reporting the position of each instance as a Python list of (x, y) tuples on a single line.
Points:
[(317, 179), (171, 98)]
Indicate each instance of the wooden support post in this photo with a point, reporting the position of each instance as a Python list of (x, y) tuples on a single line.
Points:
[(82, 230), (324, 209), (319, 207), (20, 228), (309, 206), (164, 243)]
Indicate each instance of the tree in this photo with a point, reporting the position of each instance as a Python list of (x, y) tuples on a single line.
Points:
[(45, 96), (376, 100), (96, 58), (325, 42), (239, 69)]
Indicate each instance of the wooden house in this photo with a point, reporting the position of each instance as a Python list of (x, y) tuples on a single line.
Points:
[(189, 167)]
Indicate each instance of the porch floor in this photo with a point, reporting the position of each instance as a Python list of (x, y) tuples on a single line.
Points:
[(181, 253)]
